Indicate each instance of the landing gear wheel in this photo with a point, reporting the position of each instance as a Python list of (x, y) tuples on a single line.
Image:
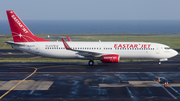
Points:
[(91, 62), (159, 62)]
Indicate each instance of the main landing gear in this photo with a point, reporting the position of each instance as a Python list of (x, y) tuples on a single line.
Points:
[(91, 62), (159, 62)]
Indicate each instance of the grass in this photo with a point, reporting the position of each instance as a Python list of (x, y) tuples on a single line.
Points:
[(23, 60), (39, 60), (173, 42)]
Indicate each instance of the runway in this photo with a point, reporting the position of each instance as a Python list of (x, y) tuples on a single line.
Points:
[(126, 81)]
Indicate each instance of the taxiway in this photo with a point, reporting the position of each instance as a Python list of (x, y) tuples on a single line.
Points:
[(77, 81)]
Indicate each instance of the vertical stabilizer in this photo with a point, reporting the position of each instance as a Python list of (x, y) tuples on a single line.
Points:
[(19, 30), (68, 39)]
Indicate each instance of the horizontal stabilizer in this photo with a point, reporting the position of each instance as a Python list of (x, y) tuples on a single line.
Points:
[(12, 43)]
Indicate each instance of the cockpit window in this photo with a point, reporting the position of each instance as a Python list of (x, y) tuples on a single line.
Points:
[(167, 48)]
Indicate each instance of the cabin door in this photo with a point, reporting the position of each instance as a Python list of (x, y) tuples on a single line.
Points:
[(37, 48), (157, 50)]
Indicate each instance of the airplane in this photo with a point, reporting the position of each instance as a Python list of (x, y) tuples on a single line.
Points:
[(107, 52)]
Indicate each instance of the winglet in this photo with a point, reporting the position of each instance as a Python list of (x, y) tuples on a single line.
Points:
[(66, 45), (68, 39)]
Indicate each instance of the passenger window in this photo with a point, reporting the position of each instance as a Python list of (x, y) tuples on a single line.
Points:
[(167, 48)]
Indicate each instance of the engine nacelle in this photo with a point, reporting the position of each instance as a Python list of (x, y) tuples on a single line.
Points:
[(112, 58)]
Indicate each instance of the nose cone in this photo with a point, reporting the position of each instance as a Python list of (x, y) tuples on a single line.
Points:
[(174, 53)]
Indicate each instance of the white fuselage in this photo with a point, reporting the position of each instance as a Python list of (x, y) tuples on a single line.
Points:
[(125, 50)]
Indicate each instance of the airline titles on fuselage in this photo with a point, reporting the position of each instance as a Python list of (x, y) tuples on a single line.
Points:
[(51, 46), (132, 45), (30, 45)]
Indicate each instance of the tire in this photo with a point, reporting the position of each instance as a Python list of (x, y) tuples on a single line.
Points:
[(91, 62)]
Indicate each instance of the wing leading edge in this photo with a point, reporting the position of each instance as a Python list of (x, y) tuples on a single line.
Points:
[(85, 53)]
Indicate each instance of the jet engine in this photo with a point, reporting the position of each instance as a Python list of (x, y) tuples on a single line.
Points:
[(111, 58)]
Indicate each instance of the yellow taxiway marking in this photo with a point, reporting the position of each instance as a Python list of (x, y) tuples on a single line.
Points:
[(21, 80), (131, 68), (75, 72), (18, 83)]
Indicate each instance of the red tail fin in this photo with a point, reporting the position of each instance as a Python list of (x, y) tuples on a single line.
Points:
[(19, 30), (68, 38)]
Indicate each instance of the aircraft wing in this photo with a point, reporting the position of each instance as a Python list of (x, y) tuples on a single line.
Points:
[(89, 53), (85, 53)]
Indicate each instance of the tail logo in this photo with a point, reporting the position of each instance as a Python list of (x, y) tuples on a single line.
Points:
[(19, 30), (20, 35), (19, 23)]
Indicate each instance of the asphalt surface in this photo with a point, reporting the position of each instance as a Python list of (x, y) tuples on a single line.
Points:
[(125, 81), (78, 81)]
